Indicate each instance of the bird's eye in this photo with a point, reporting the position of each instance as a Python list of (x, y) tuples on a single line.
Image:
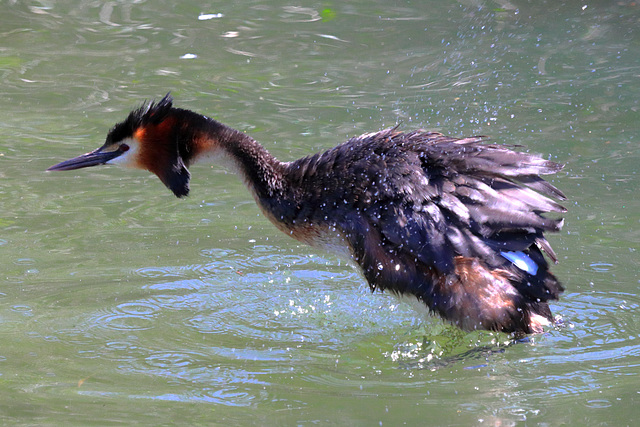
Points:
[(123, 148)]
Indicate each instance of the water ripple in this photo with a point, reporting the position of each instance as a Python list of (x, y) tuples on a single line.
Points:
[(131, 316)]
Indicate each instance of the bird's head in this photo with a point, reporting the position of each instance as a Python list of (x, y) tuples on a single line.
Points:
[(153, 138)]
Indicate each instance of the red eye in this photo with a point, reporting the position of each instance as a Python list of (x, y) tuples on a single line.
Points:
[(123, 148)]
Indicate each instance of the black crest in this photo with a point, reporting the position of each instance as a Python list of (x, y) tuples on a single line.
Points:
[(149, 113)]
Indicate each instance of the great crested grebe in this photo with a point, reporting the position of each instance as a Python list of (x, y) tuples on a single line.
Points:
[(455, 223)]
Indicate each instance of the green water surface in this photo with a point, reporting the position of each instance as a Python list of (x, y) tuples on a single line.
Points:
[(120, 304)]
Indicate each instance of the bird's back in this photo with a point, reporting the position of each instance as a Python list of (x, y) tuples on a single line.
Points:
[(455, 222)]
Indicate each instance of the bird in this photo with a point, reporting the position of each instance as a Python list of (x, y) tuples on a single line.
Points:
[(455, 224)]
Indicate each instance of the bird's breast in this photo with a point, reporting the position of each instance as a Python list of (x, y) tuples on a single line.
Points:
[(320, 235)]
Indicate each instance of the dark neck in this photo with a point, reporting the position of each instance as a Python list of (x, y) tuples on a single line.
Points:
[(216, 142), (261, 171)]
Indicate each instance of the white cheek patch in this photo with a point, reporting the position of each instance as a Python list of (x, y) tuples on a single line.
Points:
[(129, 157)]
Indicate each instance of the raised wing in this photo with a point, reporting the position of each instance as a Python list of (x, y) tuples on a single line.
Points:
[(455, 222)]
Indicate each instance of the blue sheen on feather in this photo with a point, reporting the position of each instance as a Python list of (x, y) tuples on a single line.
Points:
[(522, 261)]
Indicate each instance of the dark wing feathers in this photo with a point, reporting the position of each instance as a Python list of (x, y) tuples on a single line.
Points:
[(538, 184), (462, 191), (429, 215)]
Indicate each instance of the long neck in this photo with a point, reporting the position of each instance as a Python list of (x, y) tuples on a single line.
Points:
[(261, 172)]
